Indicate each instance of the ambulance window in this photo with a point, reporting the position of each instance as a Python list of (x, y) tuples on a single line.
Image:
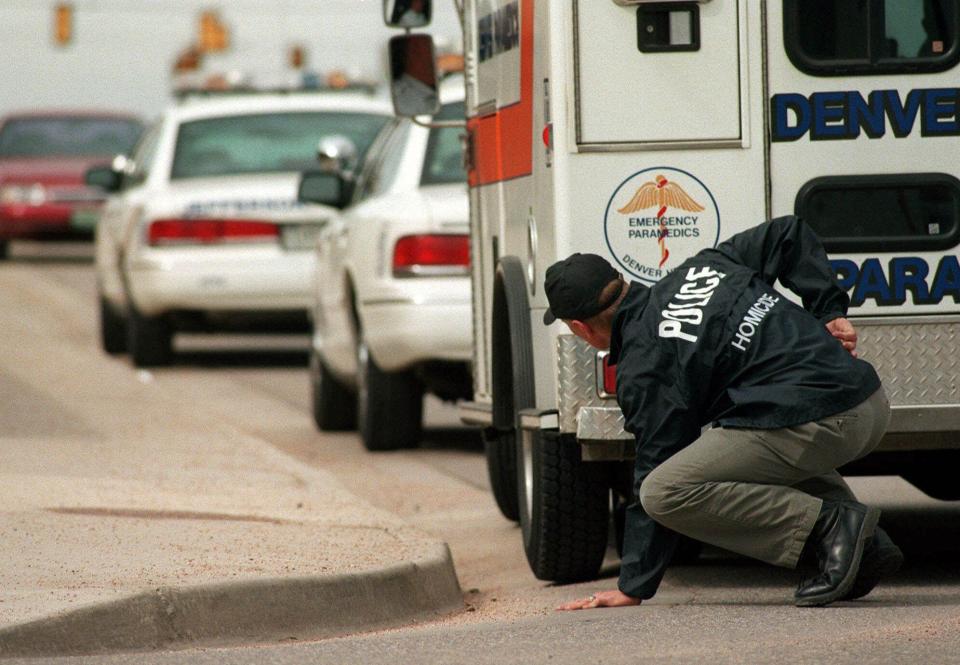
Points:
[(830, 38), (881, 213)]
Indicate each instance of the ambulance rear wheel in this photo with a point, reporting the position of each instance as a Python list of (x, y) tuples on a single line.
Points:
[(564, 508), (935, 483), (389, 405), (501, 452)]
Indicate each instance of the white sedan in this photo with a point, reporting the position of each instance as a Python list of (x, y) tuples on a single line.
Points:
[(204, 230), (392, 315)]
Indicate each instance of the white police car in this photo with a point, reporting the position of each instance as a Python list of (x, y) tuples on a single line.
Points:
[(204, 229), (392, 315)]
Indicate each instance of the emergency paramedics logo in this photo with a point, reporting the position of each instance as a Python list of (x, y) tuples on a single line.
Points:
[(657, 218)]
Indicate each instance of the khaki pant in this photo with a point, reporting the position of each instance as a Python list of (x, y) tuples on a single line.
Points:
[(758, 492)]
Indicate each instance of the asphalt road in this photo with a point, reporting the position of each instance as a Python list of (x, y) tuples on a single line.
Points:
[(722, 609)]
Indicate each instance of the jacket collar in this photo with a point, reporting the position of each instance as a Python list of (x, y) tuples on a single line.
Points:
[(630, 308)]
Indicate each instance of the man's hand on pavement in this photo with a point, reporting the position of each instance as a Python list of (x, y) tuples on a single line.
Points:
[(844, 331), (601, 599)]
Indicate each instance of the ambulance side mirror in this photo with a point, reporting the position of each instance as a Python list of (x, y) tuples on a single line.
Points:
[(407, 13), (413, 76)]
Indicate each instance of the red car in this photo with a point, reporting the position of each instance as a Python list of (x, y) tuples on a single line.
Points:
[(43, 158)]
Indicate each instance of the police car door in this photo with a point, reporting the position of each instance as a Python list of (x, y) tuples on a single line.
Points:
[(864, 133)]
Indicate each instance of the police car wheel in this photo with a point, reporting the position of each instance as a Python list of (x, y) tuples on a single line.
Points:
[(334, 406), (564, 508), (500, 448), (4, 250), (149, 339), (389, 405), (113, 329)]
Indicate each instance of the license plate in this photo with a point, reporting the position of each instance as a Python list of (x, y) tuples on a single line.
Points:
[(300, 236)]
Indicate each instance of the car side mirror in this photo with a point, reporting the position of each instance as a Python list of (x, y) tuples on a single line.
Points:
[(413, 76), (103, 177), (324, 188), (407, 13)]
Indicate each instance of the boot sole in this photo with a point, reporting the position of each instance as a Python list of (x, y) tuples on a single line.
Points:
[(889, 560), (870, 520)]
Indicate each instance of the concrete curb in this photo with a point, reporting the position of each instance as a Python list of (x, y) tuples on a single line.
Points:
[(247, 612)]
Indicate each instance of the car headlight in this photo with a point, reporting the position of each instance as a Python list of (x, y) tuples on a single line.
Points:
[(23, 194)]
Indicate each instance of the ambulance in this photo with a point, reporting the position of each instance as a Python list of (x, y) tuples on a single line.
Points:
[(647, 131)]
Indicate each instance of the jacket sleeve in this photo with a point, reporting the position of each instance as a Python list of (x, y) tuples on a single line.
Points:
[(786, 249), (663, 422), (647, 550)]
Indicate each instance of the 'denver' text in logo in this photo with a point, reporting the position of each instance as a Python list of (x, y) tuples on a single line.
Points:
[(657, 218)]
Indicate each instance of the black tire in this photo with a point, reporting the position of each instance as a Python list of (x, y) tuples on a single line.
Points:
[(564, 508), (936, 483), (932, 472), (334, 406), (501, 451), (149, 339), (513, 385), (389, 405), (113, 329), (4, 250)]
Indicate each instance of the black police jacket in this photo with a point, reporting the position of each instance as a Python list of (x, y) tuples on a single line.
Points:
[(714, 342)]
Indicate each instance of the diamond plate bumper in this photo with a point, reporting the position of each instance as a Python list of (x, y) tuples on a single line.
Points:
[(918, 360)]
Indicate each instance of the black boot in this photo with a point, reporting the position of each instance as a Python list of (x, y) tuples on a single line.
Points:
[(838, 539), (881, 558)]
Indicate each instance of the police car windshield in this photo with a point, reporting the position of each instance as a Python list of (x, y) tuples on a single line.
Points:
[(67, 137), (264, 143), (444, 159)]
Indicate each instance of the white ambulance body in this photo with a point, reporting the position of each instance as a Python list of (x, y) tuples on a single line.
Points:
[(645, 132)]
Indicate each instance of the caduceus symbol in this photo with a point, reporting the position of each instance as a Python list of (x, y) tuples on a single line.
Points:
[(664, 194)]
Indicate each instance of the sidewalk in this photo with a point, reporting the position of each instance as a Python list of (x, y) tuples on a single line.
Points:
[(135, 516)]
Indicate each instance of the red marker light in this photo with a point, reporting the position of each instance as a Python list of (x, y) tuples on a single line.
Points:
[(609, 377)]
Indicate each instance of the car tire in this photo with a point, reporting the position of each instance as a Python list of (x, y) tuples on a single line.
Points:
[(4, 250), (564, 508), (389, 405), (149, 339), (113, 329), (500, 448), (334, 406)]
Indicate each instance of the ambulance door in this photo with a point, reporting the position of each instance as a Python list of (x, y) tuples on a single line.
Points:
[(863, 137), (864, 134), (661, 73)]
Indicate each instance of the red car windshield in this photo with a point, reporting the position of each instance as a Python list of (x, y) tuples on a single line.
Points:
[(67, 137)]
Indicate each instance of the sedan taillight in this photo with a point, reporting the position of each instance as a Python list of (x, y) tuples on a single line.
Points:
[(439, 254), (207, 231)]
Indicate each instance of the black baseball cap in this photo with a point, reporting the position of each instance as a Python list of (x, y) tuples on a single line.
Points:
[(573, 287)]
